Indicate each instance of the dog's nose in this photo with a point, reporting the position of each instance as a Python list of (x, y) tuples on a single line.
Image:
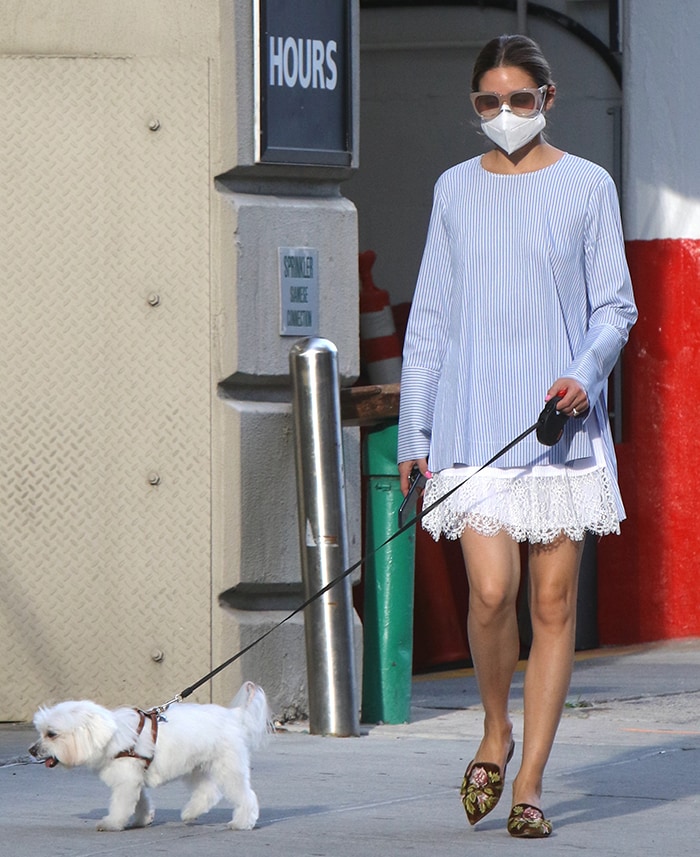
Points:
[(34, 750)]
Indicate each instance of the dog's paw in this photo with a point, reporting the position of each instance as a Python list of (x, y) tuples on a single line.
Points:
[(109, 824), (188, 817), (144, 820), (241, 825), (243, 820), (246, 814)]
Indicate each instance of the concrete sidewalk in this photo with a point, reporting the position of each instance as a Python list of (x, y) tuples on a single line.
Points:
[(624, 779)]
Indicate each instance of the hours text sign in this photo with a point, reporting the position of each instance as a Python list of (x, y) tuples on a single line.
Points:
[(305, 67)]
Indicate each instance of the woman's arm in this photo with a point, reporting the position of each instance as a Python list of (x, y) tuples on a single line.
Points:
[(426, 339), (611, 307)]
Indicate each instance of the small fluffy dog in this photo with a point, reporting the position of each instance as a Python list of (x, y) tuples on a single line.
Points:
[(208, 745)]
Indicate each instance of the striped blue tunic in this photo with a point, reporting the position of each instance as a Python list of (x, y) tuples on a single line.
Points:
[(523, 280)]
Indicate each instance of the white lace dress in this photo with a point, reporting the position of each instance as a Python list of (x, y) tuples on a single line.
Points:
[(535, 504)]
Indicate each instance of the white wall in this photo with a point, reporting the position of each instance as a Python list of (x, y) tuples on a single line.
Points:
[(662, 122)]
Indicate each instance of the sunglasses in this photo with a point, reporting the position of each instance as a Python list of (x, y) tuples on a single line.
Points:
[(522, 102)]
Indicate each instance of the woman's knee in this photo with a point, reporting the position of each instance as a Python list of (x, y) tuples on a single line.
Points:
[(552, 607), (493, 572), (492, 598)]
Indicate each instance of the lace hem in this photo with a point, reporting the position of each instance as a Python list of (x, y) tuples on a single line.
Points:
[(528, 507)]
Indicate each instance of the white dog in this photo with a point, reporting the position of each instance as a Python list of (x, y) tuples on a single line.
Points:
[(131, 750)]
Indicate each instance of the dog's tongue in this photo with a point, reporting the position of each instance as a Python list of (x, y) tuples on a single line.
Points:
[(51, 762)]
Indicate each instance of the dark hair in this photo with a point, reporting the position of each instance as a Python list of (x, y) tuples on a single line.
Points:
[(516, 51)]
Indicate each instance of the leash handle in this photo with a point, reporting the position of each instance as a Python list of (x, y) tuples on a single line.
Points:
[(402, 529)]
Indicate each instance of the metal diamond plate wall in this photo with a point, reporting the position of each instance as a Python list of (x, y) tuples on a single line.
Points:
[(105, 554)]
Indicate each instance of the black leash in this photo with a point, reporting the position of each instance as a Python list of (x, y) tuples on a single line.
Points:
[(549, 429)]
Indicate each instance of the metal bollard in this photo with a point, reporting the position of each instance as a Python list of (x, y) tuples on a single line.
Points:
[(328, 621)]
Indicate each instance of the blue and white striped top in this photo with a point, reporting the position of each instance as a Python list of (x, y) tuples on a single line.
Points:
[(523, 280)]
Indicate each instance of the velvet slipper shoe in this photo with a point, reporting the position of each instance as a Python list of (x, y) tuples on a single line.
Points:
[(528, 822), (482, 787)]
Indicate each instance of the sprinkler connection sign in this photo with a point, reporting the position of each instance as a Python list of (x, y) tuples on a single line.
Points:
[(305, 82), (299, 291)]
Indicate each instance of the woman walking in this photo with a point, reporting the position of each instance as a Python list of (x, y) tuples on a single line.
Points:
[(523, 295)]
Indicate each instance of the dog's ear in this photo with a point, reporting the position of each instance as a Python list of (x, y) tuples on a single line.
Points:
[(41, 718)]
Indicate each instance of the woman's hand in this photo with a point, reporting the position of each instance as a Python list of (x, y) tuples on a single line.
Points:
[(574, 399), (405, 468)]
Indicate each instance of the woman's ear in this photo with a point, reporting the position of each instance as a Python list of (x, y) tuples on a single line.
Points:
[(549, 97)]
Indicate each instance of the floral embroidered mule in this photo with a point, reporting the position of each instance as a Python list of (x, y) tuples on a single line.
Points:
[(482, 787), (528, 822)]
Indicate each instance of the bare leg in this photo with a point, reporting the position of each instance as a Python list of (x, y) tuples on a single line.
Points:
[(493, 570), (553, 589)]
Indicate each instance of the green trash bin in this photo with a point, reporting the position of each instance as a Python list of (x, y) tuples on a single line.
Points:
[(388, 587)]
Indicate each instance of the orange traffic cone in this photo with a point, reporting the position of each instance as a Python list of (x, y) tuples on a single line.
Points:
[(380, 348)]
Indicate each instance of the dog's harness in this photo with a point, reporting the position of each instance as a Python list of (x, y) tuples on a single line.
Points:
[(143, 716)]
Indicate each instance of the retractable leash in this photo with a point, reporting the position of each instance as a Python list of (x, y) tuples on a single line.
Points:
[(549, 427)]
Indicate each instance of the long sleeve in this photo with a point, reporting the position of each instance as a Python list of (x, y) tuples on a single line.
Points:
[(612, 310), (426, 340)]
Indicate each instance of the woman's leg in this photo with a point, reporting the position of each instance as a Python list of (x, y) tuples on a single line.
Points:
[(553, 571), (493, 570)]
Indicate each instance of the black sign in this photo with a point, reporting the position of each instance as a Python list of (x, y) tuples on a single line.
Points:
[(305, 51)]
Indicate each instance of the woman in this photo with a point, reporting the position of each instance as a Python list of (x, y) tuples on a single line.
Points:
[(523, 294)]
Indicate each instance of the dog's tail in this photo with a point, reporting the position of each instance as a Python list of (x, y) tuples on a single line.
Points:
[(256, 714)]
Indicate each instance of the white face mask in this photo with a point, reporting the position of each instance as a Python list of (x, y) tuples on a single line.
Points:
[(510, 132)]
